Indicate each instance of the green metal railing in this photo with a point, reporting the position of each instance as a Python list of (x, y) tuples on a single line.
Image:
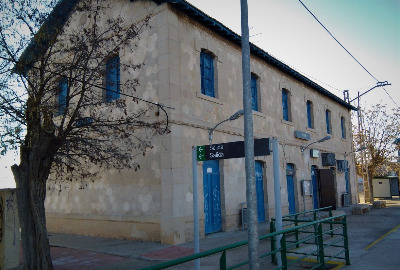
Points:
[(315, 241), (293, 220)]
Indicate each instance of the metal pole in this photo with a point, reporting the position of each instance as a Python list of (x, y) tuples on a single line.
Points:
[(249, 143), (277, 195), (195, 208)]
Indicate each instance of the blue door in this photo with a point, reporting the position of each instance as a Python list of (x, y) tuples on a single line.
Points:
[(347, 177), (290, 188), (260, 191), (212, 197), (314, 180)]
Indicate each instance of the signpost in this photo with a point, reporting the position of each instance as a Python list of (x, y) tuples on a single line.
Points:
[(232, 150), (262, 147)]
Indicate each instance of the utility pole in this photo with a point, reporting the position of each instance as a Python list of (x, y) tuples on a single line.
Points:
[(364, 163), (249, 143), (368, 189)]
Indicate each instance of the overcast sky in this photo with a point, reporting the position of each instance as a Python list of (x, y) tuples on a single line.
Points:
[(368, 29)]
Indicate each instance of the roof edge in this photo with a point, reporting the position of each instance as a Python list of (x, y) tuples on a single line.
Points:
[(63, 9)]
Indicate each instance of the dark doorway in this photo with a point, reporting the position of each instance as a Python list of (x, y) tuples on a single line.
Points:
[(327, 188)]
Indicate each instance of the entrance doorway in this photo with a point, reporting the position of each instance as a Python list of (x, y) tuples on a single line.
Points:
[(290, 188), (212, 196), (327, 188), (315, 186), (260, 191)]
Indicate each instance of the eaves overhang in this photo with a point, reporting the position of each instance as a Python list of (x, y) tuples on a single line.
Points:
[(63, 9)]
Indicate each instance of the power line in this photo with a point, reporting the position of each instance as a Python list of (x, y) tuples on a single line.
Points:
[(338, 41), (390, 97), (346, 50)]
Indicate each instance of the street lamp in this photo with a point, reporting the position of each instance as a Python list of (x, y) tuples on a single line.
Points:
[(321, 140), (355, 151), (235, 116)]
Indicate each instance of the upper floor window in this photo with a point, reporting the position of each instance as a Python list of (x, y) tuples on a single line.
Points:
[(112, 79), (310, 114), (62, 95), (286, 105), (254, 96), (328, 122), (343, 126), (207, 74)]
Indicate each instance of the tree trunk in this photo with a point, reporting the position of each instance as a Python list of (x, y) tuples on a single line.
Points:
[(31, 176), (371, 188)]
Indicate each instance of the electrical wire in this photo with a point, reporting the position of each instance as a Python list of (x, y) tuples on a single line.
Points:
[(337, 41), (161, 106), (345, 49), (391, 97)]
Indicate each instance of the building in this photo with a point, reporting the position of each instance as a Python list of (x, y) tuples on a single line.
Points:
[(193, 64)]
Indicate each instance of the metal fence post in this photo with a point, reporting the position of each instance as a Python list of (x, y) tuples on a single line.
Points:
[(283, 252), (296, 223), (346, 241), (222, 261), (273, 241), (321, 255), (330, 224)]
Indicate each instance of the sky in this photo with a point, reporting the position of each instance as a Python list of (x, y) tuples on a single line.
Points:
[(368, 29)]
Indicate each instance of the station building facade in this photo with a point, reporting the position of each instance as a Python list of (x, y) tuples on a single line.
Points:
[(192, 63)]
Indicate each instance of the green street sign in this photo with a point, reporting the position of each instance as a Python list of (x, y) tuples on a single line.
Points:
[(232, 150), (201, 153)]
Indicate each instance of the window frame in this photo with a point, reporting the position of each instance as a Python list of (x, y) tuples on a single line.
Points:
[(207, 57), (112, 85), (63, 94), (254, 92), (328, 119), (310, 114), (286, 113), (343, 127)]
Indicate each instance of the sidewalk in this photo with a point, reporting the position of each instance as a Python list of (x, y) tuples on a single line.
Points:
[(374, 240)]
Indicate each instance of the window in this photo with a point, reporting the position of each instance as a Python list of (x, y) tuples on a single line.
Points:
[(343, 126), (112, 79), (254, 97), (207, 74), (310, 114), (286, 105), (62, 95), (328, 121)]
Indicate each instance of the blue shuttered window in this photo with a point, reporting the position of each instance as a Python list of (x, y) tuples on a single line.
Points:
[(207, 74), (309, 114), (285, 105), (112, 79), (62, 95), (328, 121), (254, 93), (343, 126)]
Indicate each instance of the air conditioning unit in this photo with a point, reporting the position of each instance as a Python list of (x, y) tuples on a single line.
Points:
[(346, 199), (342, 165), (328, 159), (314, 153)]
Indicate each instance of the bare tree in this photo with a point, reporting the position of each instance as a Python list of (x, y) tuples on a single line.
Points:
[(62, 102), (381, 129)]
